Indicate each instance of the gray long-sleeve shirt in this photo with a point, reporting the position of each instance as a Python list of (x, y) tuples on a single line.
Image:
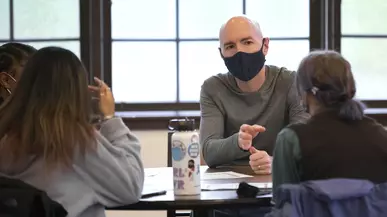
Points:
[(113, 175), (224, 108)]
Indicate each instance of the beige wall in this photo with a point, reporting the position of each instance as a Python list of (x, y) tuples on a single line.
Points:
[(154, 153)]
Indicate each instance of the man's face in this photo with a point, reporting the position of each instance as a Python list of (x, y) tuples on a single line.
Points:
[(240, 35)]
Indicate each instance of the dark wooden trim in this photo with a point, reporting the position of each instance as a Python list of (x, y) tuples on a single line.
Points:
[(11, 21), (95, 37), (147, 120), (243, 6), (375, 103), (317, 24), (155, 120), (157, 106), (106, 41), (334, 24), (123, 107), (84, 21)]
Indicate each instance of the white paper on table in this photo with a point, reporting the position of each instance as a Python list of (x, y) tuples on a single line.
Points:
[(234, 186), (151, 173), (223, 175)]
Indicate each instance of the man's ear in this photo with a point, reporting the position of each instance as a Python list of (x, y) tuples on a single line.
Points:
[(265, 46), (4, 80), (220, 52)]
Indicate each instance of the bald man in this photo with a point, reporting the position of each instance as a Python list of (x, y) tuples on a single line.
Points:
[(242, 111)]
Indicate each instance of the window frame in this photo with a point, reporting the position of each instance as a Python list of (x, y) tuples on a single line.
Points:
[(27, 40), (96, 53), (324, 21), (177, 106)]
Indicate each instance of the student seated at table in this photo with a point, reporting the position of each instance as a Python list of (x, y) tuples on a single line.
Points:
[(339, 141), (243, 110), (49, 142), (13, 57)]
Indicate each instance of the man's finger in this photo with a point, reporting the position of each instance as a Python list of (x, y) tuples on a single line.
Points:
[(252, 150), (259, 155), (245, 136), (263, 172), (259, 167), (248, 129), (262, 161), (245, 128), (246, 144), (258, 128)]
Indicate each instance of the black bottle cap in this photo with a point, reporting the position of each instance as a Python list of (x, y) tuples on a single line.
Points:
[(183, 124)]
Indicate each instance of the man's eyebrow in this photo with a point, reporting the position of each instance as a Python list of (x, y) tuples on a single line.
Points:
[(247, 38), (243, 39), (228, 43)]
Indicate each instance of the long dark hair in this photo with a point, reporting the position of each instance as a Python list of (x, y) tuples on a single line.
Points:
[(13, 57), (14, 54), (48, 114), (328, 76)]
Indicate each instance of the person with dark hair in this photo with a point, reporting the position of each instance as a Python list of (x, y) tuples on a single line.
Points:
[(339, 141), (48, 141), (13, 57)]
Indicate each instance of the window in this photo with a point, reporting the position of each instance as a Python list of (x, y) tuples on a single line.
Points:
[(178, 41), (145, 19), (202, 19), (144, 71), (281, 18), (364, 43), (4, 20), (41, 23), (198, 61)]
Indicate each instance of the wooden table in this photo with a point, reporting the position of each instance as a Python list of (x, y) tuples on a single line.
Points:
[(162, 179)]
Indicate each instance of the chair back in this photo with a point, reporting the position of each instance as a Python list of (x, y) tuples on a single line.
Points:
[(19, 199)]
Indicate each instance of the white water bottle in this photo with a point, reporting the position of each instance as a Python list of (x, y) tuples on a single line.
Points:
[(185, 151)]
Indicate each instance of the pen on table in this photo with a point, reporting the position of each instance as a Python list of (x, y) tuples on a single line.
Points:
[(153, 194)]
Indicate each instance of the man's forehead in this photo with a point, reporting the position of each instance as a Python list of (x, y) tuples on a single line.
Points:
[(239, 28), (235, 35)]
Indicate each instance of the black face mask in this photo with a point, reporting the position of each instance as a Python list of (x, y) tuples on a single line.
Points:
[(245, 66)]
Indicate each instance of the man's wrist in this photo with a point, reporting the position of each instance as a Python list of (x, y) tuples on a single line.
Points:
[(244, 150)]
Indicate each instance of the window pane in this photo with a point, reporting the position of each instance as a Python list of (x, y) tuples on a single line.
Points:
[(367, 57), (4, 20), (46, 19), (198, 61), (203, 18), (364, 17), (144, 72), (287, 53), (74, 46), (144, 19), (280, 18)]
